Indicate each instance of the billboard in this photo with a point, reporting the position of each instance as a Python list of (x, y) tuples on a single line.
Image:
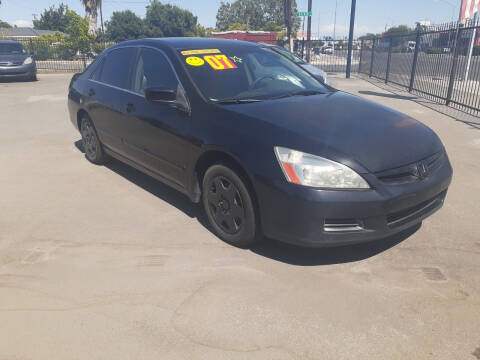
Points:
[(469, 8)]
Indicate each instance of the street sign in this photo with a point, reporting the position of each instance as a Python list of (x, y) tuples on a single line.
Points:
[(304, 13)]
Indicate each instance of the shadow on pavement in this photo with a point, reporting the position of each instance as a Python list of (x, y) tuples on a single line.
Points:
[(15, 80), (275, 250), (393, 96), (301, 256)]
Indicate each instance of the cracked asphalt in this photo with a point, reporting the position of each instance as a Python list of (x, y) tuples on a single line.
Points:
[(106, 263)]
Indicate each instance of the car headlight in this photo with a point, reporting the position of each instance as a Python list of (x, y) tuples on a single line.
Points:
[(311, 170), (28, 60)]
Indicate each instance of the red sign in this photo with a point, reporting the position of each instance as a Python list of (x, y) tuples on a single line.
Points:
[(469, 8)]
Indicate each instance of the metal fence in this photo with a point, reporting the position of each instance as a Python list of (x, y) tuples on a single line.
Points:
[(61, 56), (336, 60), (440, 62)]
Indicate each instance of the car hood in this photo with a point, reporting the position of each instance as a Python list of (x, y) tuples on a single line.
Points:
[(13, 57), (345, 128)]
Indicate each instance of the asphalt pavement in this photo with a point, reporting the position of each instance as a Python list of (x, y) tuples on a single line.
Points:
[(103, 262)]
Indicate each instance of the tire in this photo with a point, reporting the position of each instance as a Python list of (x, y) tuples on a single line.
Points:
[(229, 206), (91, 143)]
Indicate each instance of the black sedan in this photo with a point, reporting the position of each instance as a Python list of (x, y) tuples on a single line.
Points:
[(259, 141), (16, 62)]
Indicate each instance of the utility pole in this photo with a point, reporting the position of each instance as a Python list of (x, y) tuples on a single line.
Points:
[(334, 24), (303, 37), (288, 20), (101, 23), (350, 38), (309, 30)]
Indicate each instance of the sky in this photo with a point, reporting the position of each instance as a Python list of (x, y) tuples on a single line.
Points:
[(371, 15)]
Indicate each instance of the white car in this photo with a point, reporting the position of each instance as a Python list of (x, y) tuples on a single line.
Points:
[(315, 71)]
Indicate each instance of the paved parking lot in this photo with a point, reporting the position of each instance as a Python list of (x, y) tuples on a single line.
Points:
[(106, 263)]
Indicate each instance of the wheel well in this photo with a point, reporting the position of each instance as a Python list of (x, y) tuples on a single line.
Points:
[(80, 115), (214, 157)]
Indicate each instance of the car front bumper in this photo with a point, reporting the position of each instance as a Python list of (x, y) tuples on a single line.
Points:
[(18, 71), (315, 218)]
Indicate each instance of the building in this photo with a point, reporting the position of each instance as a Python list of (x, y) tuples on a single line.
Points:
[(22, 33), (267, 37)]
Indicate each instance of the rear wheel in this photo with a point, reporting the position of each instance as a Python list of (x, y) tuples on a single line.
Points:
[(91, 143), (229, 206)]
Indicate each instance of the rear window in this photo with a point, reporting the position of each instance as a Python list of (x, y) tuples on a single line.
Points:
[(117, 66)]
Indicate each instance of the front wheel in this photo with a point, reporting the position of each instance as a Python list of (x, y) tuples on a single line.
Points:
[(229, 206)]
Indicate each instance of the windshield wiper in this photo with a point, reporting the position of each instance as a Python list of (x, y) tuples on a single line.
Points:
[(299, 93), (234, 101)]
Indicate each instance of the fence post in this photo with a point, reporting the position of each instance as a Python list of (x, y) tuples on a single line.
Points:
[(415, 59), (373, 57), (389, 59), (360, 59), (453, 71), (84, 61)]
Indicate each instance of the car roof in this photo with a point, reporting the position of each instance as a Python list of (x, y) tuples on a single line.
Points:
[(190, 42)]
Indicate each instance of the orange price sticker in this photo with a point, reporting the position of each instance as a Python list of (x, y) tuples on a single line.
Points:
[(219, 62)]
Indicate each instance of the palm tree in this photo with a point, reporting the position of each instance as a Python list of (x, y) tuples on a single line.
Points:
[(91, 13)]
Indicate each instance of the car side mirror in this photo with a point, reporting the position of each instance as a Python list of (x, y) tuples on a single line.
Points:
[(174, 97), (161, 95)]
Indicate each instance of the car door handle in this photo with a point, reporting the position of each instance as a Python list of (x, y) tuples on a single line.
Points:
[(91, 92), (130, 108)]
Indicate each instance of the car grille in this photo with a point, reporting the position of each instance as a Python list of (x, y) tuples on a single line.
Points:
[(9, 63), (402, 217), (409, 173)]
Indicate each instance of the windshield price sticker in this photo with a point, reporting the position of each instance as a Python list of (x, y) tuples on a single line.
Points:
[(219, 62), (200, 52)]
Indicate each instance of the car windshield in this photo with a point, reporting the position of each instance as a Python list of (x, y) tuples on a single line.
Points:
[(240, 74), (11, 48)]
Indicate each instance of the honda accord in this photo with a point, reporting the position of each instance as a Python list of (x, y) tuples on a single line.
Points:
[(264, 146)]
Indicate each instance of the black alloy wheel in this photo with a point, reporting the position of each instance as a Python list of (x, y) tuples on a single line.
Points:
[(229, 206)]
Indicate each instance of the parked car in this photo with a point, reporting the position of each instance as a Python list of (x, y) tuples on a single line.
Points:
[(328, 50), (282, 156), (315, 71), (16, 62)]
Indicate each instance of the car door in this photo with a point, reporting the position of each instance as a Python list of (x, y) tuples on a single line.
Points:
[(158, 131), (108, 91)]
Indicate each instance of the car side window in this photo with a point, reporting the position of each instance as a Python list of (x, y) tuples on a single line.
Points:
[(97, 70), (153, 70), (116, 67)]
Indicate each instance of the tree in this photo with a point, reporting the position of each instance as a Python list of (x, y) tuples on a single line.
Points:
[(54, 19), (79, 38), (237, 26), (124, 25), (169, 20), (255, 14), (91, 14), (400, 30), (4, 24), (367, 36)]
